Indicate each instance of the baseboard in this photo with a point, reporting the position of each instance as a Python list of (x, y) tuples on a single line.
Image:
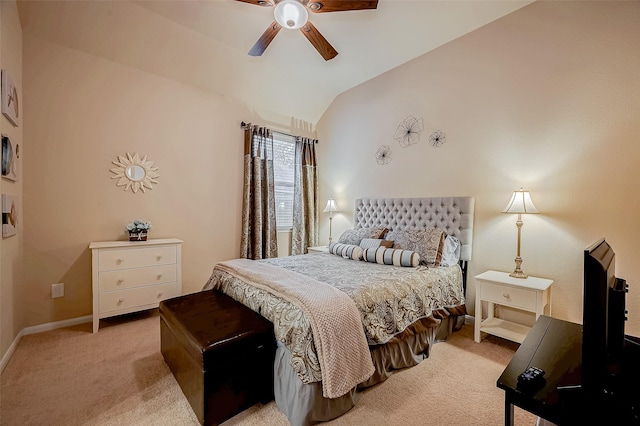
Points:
[(12, 348), (39, 329), (58, 324)]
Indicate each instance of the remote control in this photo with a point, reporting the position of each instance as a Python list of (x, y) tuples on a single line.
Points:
[(531, 375)]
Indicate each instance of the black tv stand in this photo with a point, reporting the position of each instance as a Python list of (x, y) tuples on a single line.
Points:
[(556, 346)]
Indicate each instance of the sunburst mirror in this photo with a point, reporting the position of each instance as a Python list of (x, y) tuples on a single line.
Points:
[(135, 173)]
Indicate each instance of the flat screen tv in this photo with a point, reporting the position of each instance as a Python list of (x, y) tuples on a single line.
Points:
[(604, 314)]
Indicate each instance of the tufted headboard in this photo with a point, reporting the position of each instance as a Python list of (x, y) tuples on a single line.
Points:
[(454, 215)]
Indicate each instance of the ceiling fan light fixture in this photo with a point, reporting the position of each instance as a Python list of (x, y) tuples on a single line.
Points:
[(291, 14)]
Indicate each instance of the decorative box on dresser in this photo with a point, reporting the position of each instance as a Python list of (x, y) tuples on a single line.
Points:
[(131, 276)]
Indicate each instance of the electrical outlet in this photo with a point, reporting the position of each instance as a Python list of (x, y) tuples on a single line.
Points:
[(57, 290)]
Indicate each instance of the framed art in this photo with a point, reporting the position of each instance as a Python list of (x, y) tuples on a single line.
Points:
[(10, 157), (10, 103), (9, 215)]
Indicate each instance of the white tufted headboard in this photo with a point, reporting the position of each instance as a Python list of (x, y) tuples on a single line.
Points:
[(454, 215)]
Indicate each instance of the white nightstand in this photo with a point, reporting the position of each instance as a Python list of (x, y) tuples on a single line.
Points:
[(529, 294), (318, 249)]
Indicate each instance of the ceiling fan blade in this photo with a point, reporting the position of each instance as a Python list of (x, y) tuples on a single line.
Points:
[(264, 40), (266, 3), (319, 42), (322, 6)]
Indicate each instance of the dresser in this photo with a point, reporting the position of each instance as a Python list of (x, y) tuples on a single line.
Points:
[(131, 276)]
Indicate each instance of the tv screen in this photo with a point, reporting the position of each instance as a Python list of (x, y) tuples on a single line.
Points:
[(603, 319)]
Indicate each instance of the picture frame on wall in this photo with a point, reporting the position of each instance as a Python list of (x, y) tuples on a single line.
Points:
[(10, 158), (10, 101), (9, 215)]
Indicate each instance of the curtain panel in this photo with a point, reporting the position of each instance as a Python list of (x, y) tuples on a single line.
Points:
[(259, 232), (305, 197)]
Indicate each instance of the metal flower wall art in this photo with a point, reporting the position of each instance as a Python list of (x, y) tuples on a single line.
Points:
[(437, 139), (383, 156), (408, 132)]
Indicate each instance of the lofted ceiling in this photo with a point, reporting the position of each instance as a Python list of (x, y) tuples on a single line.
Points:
[(205, 43)]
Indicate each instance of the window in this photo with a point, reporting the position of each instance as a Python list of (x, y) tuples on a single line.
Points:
[(283, 172)]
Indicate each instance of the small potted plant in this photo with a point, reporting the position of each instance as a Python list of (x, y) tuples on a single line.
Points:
[(138, 230)]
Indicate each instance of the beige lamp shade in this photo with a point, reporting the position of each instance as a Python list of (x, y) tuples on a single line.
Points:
[(520, 203), (331, 206)]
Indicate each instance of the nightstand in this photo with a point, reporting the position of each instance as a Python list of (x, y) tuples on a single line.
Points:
[(498, 288), (318, 249)]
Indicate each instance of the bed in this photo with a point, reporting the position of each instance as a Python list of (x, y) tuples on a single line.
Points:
[(345, 320)]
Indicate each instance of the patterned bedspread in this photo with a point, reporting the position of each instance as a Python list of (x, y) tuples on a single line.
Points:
[(389, 298)]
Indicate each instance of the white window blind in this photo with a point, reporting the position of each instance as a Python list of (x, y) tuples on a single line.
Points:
[(283, 172)]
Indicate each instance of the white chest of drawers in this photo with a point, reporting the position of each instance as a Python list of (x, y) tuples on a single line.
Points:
[(133, 276)]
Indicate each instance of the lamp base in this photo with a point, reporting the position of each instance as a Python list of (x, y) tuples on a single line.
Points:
[(517, 273)]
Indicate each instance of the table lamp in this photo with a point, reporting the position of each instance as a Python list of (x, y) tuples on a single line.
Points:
[(520, 203), (330, 208)]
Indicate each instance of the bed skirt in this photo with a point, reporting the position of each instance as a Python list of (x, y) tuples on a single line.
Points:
[(304, 405)]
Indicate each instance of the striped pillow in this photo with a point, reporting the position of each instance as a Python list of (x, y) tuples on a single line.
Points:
[(348, 251), (388, 256)]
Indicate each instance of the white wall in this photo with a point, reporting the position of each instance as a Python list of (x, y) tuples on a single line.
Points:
[(544, 98)]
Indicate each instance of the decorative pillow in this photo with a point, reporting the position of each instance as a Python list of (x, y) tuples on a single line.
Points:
[(428, 243), (451, 251), (389, 256), (354, 236), (375, 242), (348, 251)]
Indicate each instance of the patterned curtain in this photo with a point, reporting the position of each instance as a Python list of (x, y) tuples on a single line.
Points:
[(259, 234), (305, 197)]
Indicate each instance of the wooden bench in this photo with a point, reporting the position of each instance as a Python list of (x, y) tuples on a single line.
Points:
[(220, 352)]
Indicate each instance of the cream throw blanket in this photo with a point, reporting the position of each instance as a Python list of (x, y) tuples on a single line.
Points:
[(338, 334)]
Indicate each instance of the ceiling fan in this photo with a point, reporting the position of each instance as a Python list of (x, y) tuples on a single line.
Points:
[(292, 14)]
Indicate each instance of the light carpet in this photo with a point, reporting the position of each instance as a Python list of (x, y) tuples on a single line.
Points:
[(117, 376)]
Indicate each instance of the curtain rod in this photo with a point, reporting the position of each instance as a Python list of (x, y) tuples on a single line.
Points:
[(245, 126)]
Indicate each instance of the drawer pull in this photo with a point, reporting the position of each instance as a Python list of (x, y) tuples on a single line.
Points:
[(159, 257), (119, 261), (120, 301), (506, 295), (159, 276), (120, 281), (159, 295)]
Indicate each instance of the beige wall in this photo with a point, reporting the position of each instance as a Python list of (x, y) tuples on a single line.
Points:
[(539, 98), (11, 248), (545, 98), (83, 111)]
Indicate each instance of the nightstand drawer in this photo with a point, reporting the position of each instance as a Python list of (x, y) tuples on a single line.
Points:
[(318, 249), (137, 277), (125, 299), (509, 296), (136, 257)]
